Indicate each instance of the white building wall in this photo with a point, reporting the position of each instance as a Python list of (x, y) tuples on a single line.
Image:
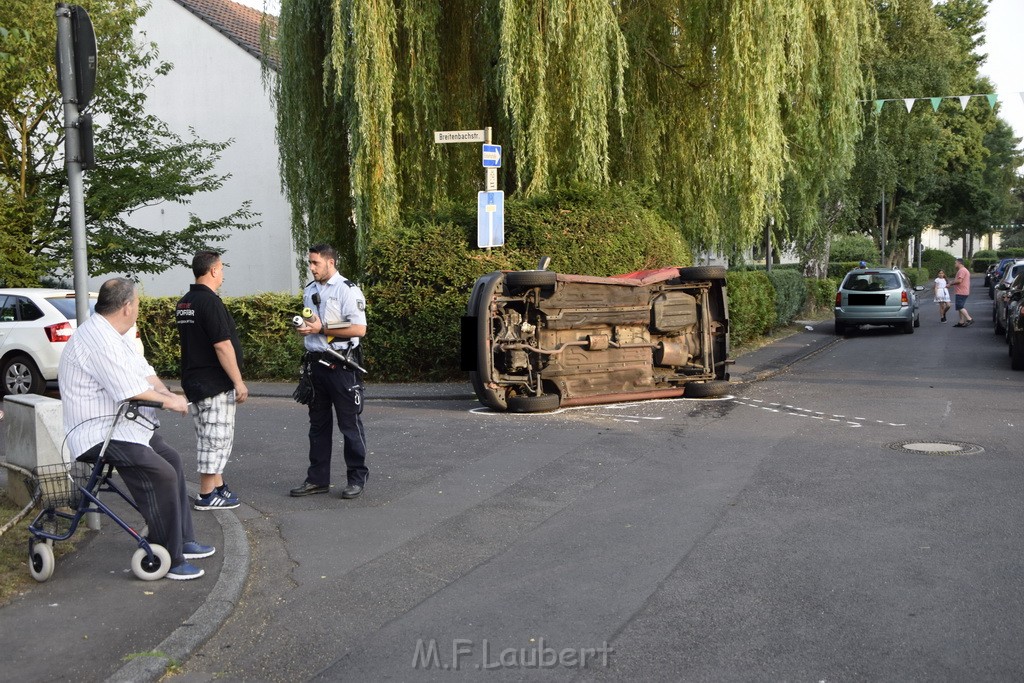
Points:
[(931, 238), (216, 88)]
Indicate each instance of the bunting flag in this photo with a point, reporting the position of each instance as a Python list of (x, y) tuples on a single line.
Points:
[(908, 102)]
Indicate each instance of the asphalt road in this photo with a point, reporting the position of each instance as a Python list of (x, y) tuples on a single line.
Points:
[(776, 535)]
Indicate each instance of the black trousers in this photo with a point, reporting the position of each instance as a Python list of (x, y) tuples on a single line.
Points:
[(338, 391), (156, 480)]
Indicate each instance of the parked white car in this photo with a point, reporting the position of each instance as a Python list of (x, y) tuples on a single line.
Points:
[(35, 325)]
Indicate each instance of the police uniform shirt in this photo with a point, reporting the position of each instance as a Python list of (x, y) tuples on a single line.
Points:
[(340, 300)]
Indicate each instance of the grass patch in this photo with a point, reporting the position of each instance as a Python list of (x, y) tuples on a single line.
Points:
[(14, 576)]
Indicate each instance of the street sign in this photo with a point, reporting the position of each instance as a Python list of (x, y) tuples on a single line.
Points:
[(492, 156), (443, 136), (490, 219), (490, 179)]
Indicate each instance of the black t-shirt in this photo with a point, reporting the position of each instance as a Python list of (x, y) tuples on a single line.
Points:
[(203, 321)]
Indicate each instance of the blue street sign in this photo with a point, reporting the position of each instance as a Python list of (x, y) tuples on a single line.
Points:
[(492, 156), (490, 219)]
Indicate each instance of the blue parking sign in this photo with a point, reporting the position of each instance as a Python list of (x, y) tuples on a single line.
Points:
[(490, 219)]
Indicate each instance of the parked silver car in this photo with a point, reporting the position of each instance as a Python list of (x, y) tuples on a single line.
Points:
[(877, 296)]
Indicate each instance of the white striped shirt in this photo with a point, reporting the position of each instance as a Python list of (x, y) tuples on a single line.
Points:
[(99, 369)]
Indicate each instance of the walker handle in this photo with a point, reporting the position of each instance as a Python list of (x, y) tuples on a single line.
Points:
[(147, 404)]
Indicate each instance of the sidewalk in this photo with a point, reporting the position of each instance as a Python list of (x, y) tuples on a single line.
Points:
[(86, 622)]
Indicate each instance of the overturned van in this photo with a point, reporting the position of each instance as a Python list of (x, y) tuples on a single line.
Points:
[(536, 340)]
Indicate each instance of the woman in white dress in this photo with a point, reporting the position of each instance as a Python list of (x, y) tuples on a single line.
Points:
[(941, 295)]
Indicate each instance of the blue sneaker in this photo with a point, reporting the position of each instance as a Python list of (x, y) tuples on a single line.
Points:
[(227, 495), (213, 501), (196, 551), (184, 572)]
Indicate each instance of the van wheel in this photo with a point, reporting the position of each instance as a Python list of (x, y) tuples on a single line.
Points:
[(1017, 354), (533, 404), (712, 389), (530, 278), (702, 273)]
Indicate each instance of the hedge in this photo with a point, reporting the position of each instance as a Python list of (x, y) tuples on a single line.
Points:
[(983, 259), (752, 311), (271, 349)]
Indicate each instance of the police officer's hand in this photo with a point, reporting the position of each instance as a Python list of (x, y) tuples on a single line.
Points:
[(311, 326)]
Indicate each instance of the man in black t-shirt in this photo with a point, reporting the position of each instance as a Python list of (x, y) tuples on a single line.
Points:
[(211, 377)]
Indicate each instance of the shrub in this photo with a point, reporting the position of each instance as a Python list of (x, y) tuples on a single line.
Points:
[(821, 295), (790, 294), (751, 306), (838, 269), (934, 260), (918, 276), (854, 248)]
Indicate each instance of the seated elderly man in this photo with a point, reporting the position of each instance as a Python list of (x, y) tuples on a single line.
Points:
[(99, 369)]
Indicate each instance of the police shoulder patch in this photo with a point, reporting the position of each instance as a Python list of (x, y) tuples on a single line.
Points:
[(361, 305)]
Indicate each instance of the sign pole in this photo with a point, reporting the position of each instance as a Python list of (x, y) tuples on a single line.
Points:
[(72, 161), (490, 202)]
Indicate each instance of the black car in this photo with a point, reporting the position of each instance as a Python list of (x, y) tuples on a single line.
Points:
[(1015, 323), (997, 274)]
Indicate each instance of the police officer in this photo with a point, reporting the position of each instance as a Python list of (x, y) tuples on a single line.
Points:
[(338, 323)]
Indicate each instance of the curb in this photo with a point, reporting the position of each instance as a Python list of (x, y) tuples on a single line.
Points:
[(206, 620), (768, 373)]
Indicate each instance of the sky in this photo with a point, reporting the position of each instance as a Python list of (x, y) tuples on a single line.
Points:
[(1004, 28)]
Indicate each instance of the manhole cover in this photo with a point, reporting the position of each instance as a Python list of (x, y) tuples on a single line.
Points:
[(937, 447)]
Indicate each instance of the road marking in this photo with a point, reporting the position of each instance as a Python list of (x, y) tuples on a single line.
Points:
[(796, 411)]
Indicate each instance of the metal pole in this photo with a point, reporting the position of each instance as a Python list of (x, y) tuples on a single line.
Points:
[(883, 226), (72, 161)]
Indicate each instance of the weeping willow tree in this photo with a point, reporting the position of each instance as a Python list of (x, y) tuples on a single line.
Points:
[(734, 111), (743, 110)]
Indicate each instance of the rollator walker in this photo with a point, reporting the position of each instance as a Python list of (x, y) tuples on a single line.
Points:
[(68, 492)]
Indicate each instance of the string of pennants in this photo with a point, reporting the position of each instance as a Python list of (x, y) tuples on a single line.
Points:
[(1008, 225), (908, 102)]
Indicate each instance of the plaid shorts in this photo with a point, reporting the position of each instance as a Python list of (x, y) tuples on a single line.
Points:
[(214, 420)]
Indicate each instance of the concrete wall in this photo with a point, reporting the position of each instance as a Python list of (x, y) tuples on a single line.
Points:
[(35, 436), (216, 88)]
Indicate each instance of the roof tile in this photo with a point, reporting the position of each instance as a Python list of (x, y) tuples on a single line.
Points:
[(240, 24)]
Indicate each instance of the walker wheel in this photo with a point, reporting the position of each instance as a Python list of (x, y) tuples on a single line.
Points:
[(40, 561), (151, 568)]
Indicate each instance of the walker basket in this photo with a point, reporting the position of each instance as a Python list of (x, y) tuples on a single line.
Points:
[(58, 485)]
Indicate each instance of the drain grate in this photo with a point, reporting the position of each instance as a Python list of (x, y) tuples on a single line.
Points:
[(937, 447)]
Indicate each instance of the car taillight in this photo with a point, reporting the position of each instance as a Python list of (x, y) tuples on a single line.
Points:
[(904, 299), (839, 299), (58, 332)]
